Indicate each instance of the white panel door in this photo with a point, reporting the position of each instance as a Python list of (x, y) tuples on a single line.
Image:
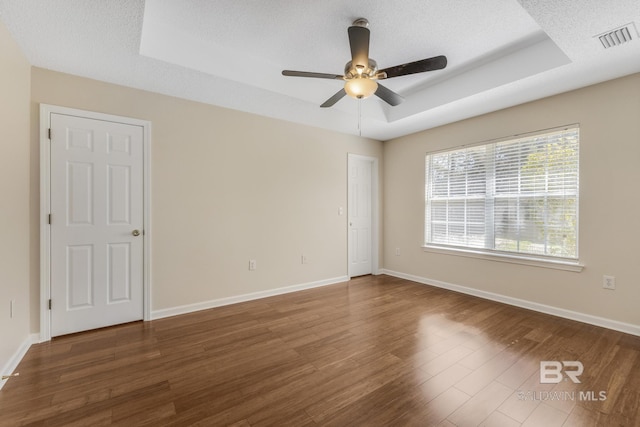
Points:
[(96, 223), (360, 216)]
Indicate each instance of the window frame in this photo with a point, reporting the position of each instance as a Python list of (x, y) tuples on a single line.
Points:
[(537, 260)]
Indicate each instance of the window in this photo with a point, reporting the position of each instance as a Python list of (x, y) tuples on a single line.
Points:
[(517, 196)]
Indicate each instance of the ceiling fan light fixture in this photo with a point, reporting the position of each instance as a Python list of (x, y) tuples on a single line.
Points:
[(360, 87), (361, 74)]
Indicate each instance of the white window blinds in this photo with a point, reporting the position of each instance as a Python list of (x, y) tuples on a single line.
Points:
[(518, 195)]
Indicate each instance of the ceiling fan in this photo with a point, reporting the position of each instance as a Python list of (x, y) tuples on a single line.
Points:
[(361, 74)]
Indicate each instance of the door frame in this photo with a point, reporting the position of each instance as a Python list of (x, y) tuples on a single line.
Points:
[(375, 212), (45, 207)]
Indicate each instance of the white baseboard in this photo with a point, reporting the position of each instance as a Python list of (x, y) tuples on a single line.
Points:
[(13, 362), (543, 308), (190, 308)]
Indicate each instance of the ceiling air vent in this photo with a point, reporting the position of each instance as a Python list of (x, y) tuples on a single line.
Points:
[(618, 36)]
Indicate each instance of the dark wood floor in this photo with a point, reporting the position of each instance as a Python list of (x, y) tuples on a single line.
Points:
[(376, 351)]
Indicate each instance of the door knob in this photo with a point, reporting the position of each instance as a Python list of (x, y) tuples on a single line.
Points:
[(136, 233)]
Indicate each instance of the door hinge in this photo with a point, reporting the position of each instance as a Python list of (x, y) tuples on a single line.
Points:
[(49, 304), (49, 219), (49, 133)]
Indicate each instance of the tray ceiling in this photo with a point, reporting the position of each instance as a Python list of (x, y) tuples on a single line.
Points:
[(230, 53)]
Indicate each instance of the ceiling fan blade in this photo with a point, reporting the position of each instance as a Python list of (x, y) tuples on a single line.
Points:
[(388, 96), (335, 98), (310, 74), (359, 43), (429, 64)]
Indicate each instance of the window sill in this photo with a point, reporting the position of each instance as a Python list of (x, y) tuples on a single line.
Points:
[(560, 264)]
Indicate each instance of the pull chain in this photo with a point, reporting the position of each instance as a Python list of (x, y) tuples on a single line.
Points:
[(359, 116)]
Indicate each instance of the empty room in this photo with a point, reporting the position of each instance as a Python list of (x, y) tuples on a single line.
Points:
[(401, 213)]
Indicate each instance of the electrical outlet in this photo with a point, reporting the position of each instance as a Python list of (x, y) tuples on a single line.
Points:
[(304, 259), (252, 264), (397, 251), (609, 282)]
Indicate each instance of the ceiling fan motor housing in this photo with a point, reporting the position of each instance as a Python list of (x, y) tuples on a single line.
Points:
[(350, 71)]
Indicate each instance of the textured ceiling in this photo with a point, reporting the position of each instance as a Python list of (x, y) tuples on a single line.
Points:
[(230, 53)]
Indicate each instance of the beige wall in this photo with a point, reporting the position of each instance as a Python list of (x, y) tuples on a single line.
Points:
[(226, 187), (14, 197), (609, 117)]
